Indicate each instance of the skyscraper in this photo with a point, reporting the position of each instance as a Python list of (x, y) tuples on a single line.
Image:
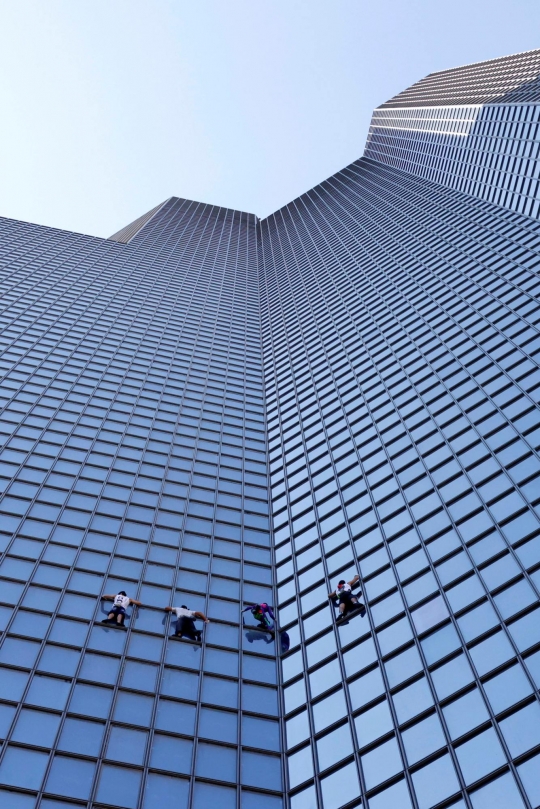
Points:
[(366, 360)]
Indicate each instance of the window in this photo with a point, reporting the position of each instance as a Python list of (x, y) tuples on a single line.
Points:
[(216, 762), (71, 777), (162, 789), (23, 768), (435, 782), (172, 754), (340, 787), (119, 786)]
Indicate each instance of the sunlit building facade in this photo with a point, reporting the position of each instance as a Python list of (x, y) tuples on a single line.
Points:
[(216, 410)]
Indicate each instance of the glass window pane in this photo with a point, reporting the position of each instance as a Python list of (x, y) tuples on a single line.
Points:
[(210, 796), (36, 728), (222, 726), (259, 699), (435, 782), (90, 700), (17, 800), (440, 644), (220, 692), (412, 700), (80, 736), (340, 787), (324, 678), (260, 770), (334, 747), (23, 768), (490, 653), (403, 666), (359, 657), (216, 762), (480, 756), (373, 723), (528, 772), (430, 614), (381, 763), (181, 684), (171, 754), (329, 710), (261, 733), (307, 799), (175, 715), (119, 786), (465, 713), (365, 688), (7, 712), (499, 794), (100, 668), (297, 729), (72, 777), (126, 745), (423, 738), (221, 662), (300, 766), (521, 730), (392, 798), (162, 790), (507, 688), (48, 692), (133, 709), (258, 800)]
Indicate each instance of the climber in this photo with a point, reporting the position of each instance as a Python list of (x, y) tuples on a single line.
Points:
[(185, 623), (348, 602), (263, 614), (121, 602)]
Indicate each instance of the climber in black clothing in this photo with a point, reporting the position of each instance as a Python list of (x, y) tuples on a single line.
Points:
[(347, 601)]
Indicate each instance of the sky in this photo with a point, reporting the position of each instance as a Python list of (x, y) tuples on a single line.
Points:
[(109, 107)]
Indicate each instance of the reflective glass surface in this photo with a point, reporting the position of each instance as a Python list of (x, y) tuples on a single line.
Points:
[(219, 411)]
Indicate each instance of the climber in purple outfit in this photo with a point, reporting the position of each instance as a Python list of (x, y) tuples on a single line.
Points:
[(263, 614)]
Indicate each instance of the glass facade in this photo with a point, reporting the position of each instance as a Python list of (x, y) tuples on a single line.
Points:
[(134, 458), (367, 361), (474, 128)]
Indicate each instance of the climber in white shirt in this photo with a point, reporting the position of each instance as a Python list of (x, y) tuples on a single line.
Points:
[(118, 611), (185, 625)]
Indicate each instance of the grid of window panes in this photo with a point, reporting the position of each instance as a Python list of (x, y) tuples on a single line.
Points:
[(514, 78), (134, 457), (491, 152), (401, 325)]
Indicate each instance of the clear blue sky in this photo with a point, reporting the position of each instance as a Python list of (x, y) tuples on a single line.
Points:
[(109, 107)]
